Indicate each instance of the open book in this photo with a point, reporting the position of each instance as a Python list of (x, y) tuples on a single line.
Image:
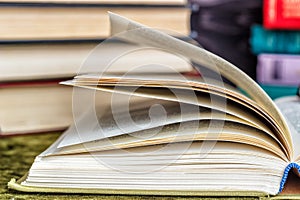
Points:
[(172, 134)]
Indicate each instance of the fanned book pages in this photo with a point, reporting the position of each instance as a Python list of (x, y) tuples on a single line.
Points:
[(168, 134)]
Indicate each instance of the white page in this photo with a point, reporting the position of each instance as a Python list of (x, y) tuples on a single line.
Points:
[(161, 113), (249, 165), (137, 33), (187, 131), (184, 96)]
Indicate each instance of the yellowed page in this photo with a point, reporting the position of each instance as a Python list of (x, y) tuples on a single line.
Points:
[(138, 33), (206, 130), (147, 114), (189, 99), (174, 81)]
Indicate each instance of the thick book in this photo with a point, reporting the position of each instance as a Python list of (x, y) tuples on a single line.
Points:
[(274, 41), (281, 14), (34, 107), (168, 135), (21, 22), (49, 60), (278, 69), (96, 2)]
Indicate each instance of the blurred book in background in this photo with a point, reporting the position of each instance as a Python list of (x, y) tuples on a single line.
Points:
[(95, 2), (58, 60), (31, 101), (223, 27), (280, 69), (34, 107), (45, 41), (274, 41), (281, 14), (61, 21), (277, 44)]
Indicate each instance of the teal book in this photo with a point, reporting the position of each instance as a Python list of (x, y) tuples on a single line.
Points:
[(274, 41), (276, 91)]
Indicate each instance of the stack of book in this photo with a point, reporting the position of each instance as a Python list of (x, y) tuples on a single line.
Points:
[(277, 44), (45, 42)]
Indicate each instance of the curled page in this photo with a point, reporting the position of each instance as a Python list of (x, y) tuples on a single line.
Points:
[(141, 34)]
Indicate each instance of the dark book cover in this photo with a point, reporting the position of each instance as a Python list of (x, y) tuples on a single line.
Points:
[(223, 27)]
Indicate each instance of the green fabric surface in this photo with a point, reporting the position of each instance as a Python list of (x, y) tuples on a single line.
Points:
[(17, 155)]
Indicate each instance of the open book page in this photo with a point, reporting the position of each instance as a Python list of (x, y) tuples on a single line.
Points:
[(175, 81), (185, 131), (142, 120), (205, 100), (202, 99), (88, 124), (195, 113), (138, 33), (290, 108), (148, 114)]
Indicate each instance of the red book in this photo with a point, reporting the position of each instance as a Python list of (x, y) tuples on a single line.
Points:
[(281, 14)]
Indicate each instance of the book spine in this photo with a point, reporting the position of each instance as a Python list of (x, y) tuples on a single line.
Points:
[(282, 14), (286, 173), (268, 41), (278, 69)]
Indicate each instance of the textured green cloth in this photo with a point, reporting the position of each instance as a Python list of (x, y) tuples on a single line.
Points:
[(18, 153)]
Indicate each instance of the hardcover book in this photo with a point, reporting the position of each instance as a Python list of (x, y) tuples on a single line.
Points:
[(34, 107), (97, 2), (281, 14), (278, 69), (223, 26), (168, 134), (42, 21), (274, 41), (47, 60)]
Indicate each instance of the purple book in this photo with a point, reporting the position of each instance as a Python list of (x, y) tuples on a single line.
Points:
[(278, 69)]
